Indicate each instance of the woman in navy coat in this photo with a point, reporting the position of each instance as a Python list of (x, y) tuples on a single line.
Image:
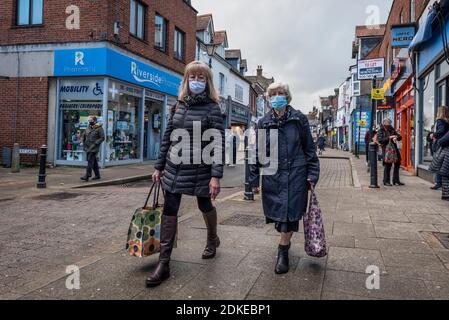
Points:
[(297, 167)]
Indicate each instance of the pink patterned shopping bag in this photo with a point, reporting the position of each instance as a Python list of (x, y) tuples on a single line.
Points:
[(315, 239)]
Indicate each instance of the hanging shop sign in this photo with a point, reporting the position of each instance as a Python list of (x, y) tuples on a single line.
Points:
[(368, 69), (378, 94), (402, 35), (397, 69)]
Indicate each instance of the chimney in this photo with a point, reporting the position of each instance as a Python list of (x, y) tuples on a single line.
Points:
[(259, 71)]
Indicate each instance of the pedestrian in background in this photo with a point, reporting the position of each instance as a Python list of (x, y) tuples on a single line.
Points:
[(387, 137), (197, 102), (92, 139), (321, 145), (285, 192), (441, 128)]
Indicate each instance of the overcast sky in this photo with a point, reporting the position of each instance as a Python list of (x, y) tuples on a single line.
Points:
[(305, 43)]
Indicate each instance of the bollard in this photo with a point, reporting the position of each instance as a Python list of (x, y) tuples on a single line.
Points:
[(41, 184), (15, 161), (249, 195), (373, 165)]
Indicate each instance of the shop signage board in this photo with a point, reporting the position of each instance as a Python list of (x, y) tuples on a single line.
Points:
[(368, 69), (80, 106), (108, 62), (81, 89), (402, 35)]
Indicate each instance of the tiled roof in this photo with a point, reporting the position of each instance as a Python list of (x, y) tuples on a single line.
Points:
[(233, 54), (203, 21), (219, 37)]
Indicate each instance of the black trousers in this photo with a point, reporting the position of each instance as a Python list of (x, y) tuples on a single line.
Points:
[(92, 164), (173, 202), (387, 172)]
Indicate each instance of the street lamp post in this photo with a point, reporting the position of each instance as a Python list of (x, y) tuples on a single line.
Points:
[(373, 146), (211, 50)]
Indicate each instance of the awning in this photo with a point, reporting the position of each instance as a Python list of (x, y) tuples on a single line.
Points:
[(425, 30)]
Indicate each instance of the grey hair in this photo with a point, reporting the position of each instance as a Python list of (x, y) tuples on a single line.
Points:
[(387, 122), (280, 85)]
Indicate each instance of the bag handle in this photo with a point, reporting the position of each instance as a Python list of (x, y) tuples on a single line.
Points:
[(149, 195), (158, 186)]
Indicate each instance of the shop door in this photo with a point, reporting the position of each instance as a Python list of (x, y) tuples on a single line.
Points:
[(406, 119), (152, 129)]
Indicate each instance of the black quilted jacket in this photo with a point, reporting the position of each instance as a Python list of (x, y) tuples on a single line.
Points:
[(188, 178)]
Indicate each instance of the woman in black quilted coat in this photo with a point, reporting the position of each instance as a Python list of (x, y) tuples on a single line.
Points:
[(185, 170), (440, 163)]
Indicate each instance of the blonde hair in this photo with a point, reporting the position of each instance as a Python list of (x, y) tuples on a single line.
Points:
[(280, 85), (200, 67), (443, 113)]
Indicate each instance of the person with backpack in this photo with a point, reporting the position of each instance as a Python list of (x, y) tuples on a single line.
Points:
[(388, 138)]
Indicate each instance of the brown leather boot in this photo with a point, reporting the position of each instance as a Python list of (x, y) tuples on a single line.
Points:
[(169, 227), (213, 241)]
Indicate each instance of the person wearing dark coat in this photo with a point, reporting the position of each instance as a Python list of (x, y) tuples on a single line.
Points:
[(441, 127), (321, 142), (386, 135), (92, 139), (184, 174), (285, 189)]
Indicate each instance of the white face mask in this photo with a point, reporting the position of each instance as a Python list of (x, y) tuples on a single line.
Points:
[(197, 87)]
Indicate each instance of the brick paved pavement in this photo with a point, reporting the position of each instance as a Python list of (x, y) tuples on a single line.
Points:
[(389, 228)]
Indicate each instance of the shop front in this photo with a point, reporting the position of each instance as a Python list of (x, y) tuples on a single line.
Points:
[(130, 98), (432, 71)]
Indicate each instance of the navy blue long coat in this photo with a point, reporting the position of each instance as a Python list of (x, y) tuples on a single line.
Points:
[(285, 194)]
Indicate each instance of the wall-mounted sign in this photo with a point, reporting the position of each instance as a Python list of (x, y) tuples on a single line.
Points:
[(368, 69), (28, 151), (402, 35)]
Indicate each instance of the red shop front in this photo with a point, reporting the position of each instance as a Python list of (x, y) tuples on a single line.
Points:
[(405, 123)]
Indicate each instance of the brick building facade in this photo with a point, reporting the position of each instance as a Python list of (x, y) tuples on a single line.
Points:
[(140, 61)]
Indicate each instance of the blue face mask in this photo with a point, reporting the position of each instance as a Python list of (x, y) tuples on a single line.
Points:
[(278, 102), (197, 87)]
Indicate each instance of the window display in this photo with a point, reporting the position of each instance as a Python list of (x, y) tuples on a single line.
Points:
[(123, 132), (79, 99), (429, 113)]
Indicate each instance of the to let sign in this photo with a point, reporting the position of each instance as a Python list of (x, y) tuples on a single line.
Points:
[(368, 69)]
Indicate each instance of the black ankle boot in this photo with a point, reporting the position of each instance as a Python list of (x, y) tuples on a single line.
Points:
[(283, 263)]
